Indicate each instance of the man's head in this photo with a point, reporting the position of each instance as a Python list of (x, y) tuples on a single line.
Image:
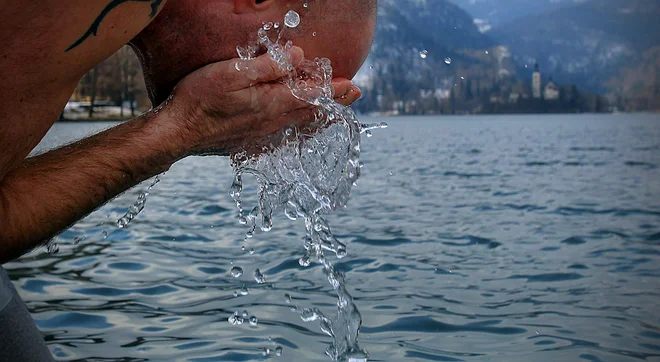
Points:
[(189, 34)]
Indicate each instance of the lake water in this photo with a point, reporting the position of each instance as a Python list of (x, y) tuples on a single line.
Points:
[(509, 238)]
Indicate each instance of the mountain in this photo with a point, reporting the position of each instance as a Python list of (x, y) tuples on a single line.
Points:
[(587, 43), (637, 87), (437, 24), (492, 13), (427, 47)]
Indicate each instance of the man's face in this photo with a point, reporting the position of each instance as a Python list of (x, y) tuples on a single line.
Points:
[(344, 41), (189, 34)]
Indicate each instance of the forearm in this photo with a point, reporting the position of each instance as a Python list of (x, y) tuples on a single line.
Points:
[(49, 192)]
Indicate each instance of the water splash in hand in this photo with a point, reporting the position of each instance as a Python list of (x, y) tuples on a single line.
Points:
[(309, 174)]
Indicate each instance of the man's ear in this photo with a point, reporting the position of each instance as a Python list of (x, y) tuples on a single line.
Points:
[(251, 6)]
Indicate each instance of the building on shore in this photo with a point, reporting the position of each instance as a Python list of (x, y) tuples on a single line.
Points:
[(536, 82), (551, 91)]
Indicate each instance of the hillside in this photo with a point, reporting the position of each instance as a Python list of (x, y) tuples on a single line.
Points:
[(637, 87), (492, 13), (587, 43), (422, 49)]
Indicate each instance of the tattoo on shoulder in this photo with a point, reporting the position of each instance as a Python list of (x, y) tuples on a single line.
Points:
[(93, 29)]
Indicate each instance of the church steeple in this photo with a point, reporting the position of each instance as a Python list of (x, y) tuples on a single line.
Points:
[(536, 82)]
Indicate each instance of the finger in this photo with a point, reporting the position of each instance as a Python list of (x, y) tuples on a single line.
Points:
[(351, 95), (275, 99), (237, 74), (341, 86), (300, 118), (263, 69)]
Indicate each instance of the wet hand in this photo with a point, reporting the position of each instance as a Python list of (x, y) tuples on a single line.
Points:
[(219, 109)]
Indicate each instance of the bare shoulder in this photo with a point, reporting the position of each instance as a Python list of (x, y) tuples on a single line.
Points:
[(71, 36), (45, 47)]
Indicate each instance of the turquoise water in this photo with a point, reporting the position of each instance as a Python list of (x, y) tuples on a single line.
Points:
[(527, 238)]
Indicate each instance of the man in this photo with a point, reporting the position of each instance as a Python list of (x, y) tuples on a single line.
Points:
[(47, 46)]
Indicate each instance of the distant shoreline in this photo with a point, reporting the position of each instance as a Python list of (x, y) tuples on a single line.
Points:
[(387, 114), (120, 120)]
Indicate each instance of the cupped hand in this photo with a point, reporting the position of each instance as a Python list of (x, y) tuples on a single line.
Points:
[(220, 109)]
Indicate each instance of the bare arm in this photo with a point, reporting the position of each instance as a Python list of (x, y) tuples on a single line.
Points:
[(214, 110), (47, 193)]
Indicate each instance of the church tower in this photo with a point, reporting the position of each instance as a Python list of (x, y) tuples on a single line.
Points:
[(536, 82)]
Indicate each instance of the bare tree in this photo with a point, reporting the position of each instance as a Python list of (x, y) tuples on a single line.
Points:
[(92, 89)]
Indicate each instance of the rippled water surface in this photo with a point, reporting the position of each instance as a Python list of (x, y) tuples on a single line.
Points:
[(533, 238)]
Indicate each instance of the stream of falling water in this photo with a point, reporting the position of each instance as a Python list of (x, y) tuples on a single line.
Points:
[(309, 174)]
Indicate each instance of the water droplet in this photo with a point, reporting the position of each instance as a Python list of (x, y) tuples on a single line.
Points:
[(268, 26), (304, 262), (244, 315), (245, 52), (423, 54), (252, 250), (287, 298), (244, 291), (292, 19), (235, 294), (52, 247), (313, 33), (104, 234), (306, 5), (448, 60), (291, 211), (243, 248), (487, 52), (236, 319), (236, 272), (276, 25), (278, 351), (266, 351), (259, 277), (253, 321), (463, 78), (254, 213)]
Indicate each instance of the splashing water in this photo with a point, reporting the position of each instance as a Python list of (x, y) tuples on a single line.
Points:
[(133, 211), (309, 174), (138, 206)]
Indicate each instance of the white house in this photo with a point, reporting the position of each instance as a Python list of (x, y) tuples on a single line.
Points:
[(551, 92)]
